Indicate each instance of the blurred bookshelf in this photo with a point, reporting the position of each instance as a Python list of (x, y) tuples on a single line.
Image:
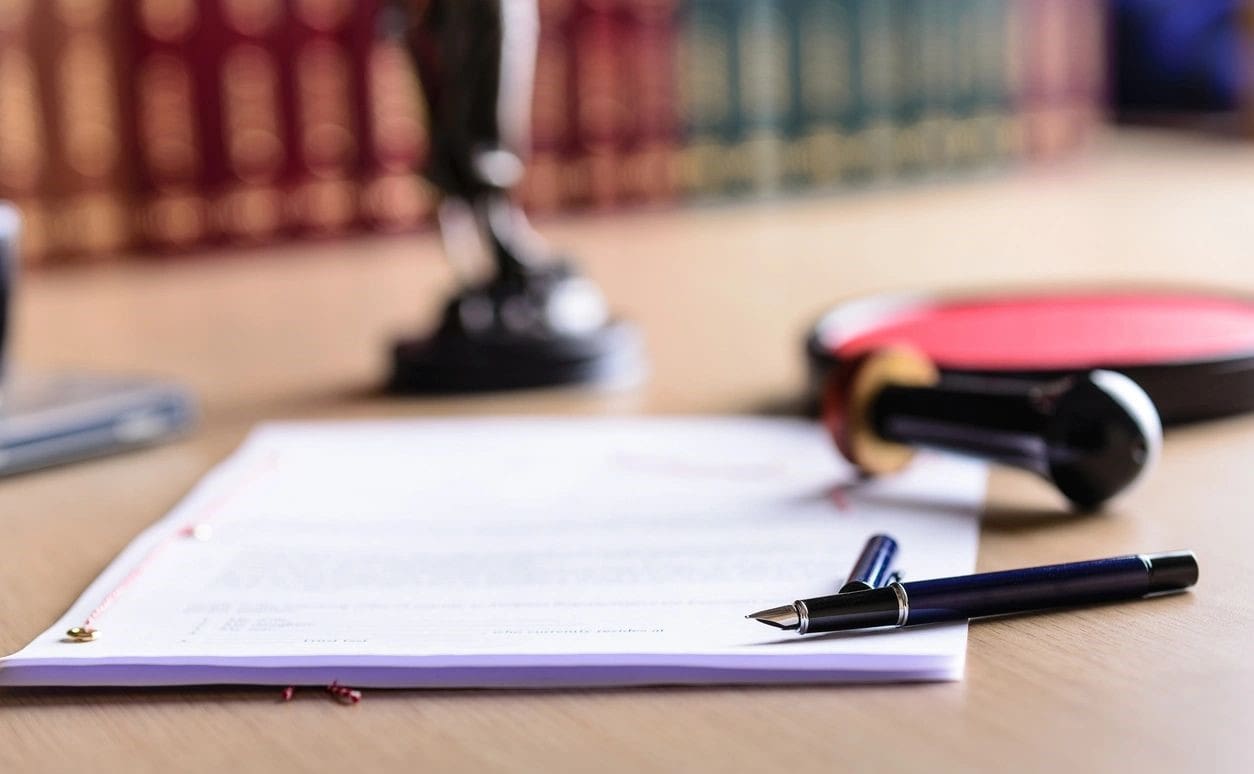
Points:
[(158, 127)]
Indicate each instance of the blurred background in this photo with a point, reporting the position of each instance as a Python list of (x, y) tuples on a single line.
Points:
[(142, 128)]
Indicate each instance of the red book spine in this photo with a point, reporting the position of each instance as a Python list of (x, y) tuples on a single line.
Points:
[(1010, 140), (602, 117), (1049, 127), (1089, 66), (543, 189), (646, 60), (324, 129), (244, 149), (169, 99), (88, 211), (23, 155), (388, 103)]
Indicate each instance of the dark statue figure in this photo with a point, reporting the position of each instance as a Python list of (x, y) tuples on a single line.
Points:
[(533, 321), (10, 230)]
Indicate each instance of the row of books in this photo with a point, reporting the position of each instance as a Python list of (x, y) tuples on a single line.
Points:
[(656, 99), (162, 125)]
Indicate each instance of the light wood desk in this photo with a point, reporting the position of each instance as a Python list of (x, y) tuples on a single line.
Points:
[(723, 295)]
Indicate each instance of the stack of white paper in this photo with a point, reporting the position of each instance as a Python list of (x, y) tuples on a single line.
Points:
[(514, 552)]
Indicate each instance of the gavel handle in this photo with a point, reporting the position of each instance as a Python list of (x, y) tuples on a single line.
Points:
[(994, 419)]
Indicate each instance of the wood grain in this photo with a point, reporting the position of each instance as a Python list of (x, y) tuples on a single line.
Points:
[(724, 295)]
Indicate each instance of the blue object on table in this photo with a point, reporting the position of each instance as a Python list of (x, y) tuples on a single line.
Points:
[(1177, 56), (51, 419)]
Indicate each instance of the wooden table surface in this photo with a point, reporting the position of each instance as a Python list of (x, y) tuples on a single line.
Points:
[(723, 295)]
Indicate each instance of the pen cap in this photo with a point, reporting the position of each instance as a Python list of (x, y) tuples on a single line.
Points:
[(872, 566), (1171, 571)]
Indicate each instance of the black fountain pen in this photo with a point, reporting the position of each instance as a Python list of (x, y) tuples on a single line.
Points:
[(990, 593)]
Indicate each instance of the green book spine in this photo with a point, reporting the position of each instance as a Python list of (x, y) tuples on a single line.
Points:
[(827, 111), (956, 85), (909, 41), (767, 115), (707, 78), (872, 145), (947, 65), (988, 103)]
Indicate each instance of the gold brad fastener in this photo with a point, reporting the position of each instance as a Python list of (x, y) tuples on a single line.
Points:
[(82, 634)]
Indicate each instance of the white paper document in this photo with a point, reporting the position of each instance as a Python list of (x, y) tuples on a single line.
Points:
[(516, 552)]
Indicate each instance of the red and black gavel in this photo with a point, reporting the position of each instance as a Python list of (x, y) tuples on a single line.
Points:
[(1092, 434)]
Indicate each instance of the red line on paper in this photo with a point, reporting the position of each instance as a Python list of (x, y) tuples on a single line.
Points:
[(210, 511)]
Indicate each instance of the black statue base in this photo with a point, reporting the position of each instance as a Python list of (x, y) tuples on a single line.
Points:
[(449, 365), (544, 329)]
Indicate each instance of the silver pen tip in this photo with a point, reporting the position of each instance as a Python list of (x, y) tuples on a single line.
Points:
[(784, 617)]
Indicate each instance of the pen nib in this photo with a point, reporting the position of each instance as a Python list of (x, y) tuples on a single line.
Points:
[(784, 617)]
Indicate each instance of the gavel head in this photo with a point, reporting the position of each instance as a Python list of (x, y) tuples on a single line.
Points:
[(1103, 434), (1091, 434)]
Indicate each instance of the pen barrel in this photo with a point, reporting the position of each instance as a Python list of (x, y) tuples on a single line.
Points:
[(1040, 588)]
